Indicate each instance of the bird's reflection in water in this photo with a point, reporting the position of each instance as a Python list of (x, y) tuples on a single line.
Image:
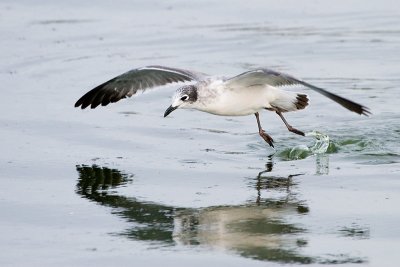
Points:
[(258, 229)]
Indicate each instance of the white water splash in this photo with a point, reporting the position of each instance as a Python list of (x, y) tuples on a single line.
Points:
[(319, 147), (321, 144)]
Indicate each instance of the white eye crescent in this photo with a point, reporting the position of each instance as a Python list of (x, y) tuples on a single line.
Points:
[(184, 98)]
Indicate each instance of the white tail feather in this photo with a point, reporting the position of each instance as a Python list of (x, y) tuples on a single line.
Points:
[(289, 101)]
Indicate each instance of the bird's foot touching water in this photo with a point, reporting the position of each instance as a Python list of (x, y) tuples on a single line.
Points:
[(266, 137), (294, 130), (289, 127)]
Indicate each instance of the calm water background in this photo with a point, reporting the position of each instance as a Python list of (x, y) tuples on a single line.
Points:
[(123, 186)]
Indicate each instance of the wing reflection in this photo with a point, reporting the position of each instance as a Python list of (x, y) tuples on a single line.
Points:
[(154, 222), (259, 229)]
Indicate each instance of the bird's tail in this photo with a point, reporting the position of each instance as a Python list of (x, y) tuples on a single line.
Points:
[(288, 101)]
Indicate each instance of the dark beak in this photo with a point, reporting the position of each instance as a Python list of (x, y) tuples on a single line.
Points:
[(169, 110)]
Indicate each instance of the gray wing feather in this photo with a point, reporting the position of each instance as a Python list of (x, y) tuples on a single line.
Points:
[(275, 78), (129, 83)]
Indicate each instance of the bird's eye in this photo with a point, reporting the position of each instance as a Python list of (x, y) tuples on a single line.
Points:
[(184, 98)]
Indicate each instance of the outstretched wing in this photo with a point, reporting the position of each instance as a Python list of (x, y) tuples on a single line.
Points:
[(275, 78), (128, 83)]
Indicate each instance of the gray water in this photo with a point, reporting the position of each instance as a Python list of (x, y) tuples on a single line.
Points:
[(122, 186)]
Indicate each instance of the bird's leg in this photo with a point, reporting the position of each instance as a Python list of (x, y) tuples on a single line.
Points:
[(262, 133), (290, 128)]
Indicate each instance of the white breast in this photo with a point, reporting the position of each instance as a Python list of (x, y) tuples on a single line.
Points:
[(217, 99)]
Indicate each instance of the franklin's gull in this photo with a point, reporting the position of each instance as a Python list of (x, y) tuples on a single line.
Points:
[(244, 94)]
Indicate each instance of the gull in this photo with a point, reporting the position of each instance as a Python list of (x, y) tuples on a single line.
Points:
[(245, 94)]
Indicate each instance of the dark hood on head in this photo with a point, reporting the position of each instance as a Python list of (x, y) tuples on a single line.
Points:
[(190, 90)]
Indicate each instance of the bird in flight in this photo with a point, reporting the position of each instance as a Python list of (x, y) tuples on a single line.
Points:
[(245, 94)]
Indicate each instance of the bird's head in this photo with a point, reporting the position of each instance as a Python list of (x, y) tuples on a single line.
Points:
[(184, 97)]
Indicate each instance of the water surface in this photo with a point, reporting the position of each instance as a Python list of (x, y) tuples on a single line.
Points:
[(121, 184)]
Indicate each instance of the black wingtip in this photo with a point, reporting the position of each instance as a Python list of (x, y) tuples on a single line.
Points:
[(78, 103), (81, 103), (348, 104), (357, 108), (365, 111)]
